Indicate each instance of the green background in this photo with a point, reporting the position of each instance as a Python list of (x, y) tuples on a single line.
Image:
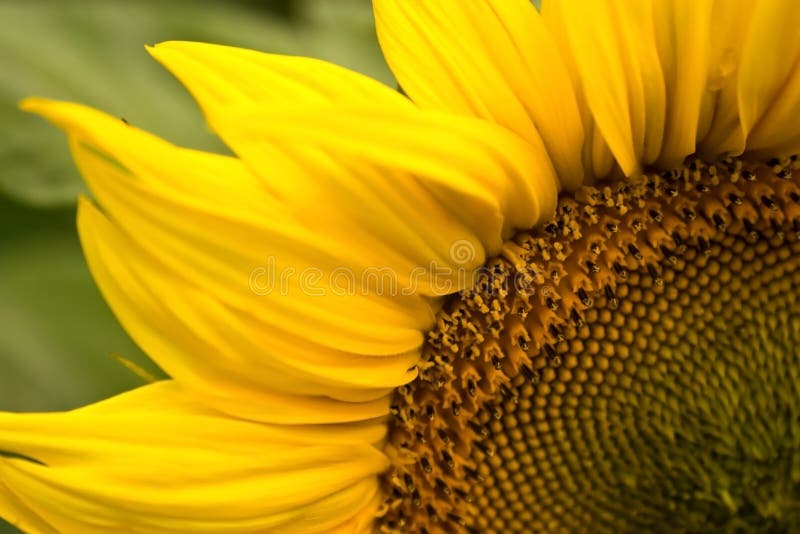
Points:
[(57, 335)]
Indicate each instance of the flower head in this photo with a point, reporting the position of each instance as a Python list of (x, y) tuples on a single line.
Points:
[(552, 289)]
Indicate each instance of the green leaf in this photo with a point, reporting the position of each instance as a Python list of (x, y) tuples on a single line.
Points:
[(56, 333), (93, 52)]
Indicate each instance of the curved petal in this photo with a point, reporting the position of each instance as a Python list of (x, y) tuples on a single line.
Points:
[(218, 249), (317, 206), (265, 327), (723, 133), (301, 346), (769, 84), (614, 47), (684, 47), (222, 76), (598, 161), (495, 60), (154, 460), (200, 66), (315, 182), (488, 178), (241, 364)]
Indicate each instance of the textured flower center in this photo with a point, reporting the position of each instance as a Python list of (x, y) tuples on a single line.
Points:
[(631, 365)]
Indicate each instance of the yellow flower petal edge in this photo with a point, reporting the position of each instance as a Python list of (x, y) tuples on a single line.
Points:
[(457, 156), (224, 76), (495, 60), (616, 49), (769, 91), (227, 355), (156, 460), (652, 81), (491, 188), (173, 231)]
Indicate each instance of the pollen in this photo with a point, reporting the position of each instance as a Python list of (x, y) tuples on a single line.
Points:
[(631, 365)]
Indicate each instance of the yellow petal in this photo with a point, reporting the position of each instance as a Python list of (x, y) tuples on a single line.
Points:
[(289, 354), (722, 132), (15, 511), (356, 191), (241, 364), (488, 178), (178, 269), (769, 84), (221, 76), (596, 156), (684, 43), (219, 250), (495, 60), (155, 460), (614, 48)]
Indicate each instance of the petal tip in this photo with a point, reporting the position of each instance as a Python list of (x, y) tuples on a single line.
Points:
[(54, 111), (166, 50), (158, 50), (177, 46), (35, 104)]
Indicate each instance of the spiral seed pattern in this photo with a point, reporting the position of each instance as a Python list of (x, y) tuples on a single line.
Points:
[(630, 366)]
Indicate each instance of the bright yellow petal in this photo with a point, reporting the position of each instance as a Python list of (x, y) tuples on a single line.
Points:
[(380, 218), (769, 84), (596, 156), (495, 60), (221, 76), (219, 250), (15, 510), (200, 66), (283, 346), (291, 351), (614, 48), (240, 364), (684, 48), (154, 460), (721, 131), (489, 179)]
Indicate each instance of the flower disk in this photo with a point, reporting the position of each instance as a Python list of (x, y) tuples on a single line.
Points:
[(632, 365)]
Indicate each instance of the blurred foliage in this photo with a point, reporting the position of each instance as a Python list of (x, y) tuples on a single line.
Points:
[(56, 333)]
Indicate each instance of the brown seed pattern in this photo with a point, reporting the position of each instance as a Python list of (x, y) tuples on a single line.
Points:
[(595, 338)]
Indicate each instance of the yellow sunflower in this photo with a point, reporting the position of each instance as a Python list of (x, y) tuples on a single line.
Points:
[(607, 193)]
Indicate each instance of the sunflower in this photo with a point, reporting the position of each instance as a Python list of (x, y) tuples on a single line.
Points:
[(548, 286)]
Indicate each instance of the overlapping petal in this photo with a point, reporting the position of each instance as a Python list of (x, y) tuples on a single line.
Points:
[(613, 44), (596, 157), (155, 460), (257, 344), (720, 131), (261, 336), (769, 82), (357, 133), (490, 59), (487, 178), (235, 359), (683, 40)]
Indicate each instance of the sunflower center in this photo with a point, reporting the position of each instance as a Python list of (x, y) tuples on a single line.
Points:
[(674, 409), (631, 365)]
